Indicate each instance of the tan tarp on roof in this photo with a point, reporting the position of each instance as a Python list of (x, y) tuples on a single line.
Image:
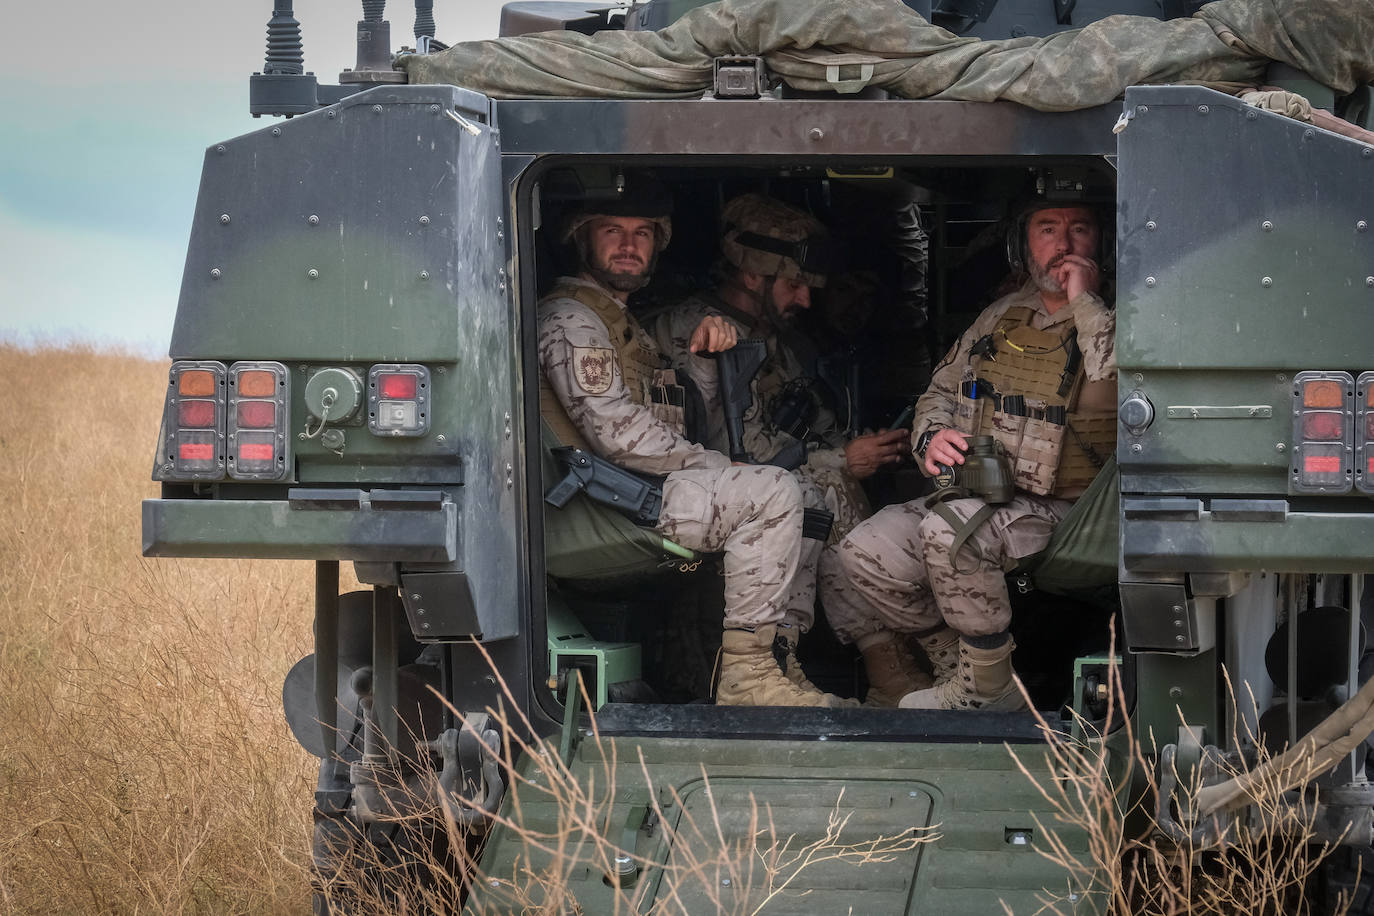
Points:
[(1227, 44)]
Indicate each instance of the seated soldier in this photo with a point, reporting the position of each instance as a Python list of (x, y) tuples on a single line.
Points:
[(607, 392), (1037, 372), (774, 255)]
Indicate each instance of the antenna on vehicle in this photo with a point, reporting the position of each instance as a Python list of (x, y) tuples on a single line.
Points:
[(284, 53), (374, 37), (374, 48), (424, 19), (283, 87)]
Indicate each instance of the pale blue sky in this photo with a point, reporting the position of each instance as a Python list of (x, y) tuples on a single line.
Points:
[(111, 106)]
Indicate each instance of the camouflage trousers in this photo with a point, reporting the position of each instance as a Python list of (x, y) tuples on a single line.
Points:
[(898, 562), (836, 491), (754, 515)]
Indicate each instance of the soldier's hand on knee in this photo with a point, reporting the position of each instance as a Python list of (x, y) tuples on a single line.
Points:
[(946, 447), (713, 335)]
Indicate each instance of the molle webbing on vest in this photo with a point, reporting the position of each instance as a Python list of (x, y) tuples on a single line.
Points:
[(1045, 368), (636, 358)]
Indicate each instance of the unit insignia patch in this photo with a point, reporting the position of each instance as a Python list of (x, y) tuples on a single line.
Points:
[(594, 368)]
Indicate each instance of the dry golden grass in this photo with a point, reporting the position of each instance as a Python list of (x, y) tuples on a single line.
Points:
[(145, 765)]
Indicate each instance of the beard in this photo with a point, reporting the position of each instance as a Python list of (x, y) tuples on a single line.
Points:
[(620, 281), (1043, 276)]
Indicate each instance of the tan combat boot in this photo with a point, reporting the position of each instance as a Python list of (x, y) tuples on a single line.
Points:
[(785, 651), (942, 651), (892, 672), (750, 674), (984, 682)]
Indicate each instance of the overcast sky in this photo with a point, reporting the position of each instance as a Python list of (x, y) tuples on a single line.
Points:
[(111, 106)]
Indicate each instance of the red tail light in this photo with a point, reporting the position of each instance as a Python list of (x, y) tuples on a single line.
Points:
[(398, 399), (1323, 432), (257, 421), (193, 423)]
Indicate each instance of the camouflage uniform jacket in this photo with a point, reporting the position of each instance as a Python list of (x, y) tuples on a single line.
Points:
[(616, 427), (762, 439), (1093, 322)]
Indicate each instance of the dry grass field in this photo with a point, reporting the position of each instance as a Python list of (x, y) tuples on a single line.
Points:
[(145, 766)]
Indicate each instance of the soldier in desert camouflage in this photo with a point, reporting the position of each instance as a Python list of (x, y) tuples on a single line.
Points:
[(773, 259), (604, 388), (1051, 342)]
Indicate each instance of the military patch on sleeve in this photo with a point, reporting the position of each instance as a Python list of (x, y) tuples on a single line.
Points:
[(594, 368)]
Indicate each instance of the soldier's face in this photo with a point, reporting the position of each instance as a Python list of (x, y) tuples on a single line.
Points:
[(621, 250), (1054, 233), (790, 297)]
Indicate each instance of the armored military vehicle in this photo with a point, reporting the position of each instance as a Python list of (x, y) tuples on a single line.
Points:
[(353, 378)]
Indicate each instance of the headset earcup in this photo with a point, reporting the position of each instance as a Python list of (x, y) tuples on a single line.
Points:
[(1016, 244)]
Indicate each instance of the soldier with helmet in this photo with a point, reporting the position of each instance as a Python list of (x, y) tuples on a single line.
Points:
[(604, 388), (774, 255), (1036, 372)]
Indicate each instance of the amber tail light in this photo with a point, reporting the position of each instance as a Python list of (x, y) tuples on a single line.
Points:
[(1323, 432), (192, 446)]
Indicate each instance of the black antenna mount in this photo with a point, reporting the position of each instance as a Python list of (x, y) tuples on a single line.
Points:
[(283, 87), (374, 49)]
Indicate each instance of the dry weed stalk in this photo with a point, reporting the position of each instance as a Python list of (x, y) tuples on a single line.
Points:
[(1131, 867), (693, 862)]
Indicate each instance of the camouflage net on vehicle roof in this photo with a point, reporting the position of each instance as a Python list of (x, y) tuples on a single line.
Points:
[(1227, 44)]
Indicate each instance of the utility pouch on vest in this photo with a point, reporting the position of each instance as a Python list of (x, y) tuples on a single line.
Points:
[(967, 409), (1037, 460), (1009, 423), (667, 400), (607, 484)]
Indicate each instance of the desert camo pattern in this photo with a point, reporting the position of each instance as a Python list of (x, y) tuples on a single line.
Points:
[(841, 493), (765, 216), (824, 481), (898, 562), (937, 408), (754, 515), (582, 365)]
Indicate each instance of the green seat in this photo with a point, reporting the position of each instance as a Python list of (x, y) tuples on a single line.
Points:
[(1081, 557), (586, 540)]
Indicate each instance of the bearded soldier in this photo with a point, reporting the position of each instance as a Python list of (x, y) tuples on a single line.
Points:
[(1036, 372), (774, 256), (604, 389)]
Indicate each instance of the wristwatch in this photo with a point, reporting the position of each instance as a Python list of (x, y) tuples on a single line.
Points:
[(923, 442)]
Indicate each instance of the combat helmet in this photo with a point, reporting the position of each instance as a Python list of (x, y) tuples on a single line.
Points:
[(633, 194), (767, 237)]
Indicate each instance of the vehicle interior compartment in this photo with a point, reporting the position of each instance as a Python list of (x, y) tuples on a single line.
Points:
[(921, 250)]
